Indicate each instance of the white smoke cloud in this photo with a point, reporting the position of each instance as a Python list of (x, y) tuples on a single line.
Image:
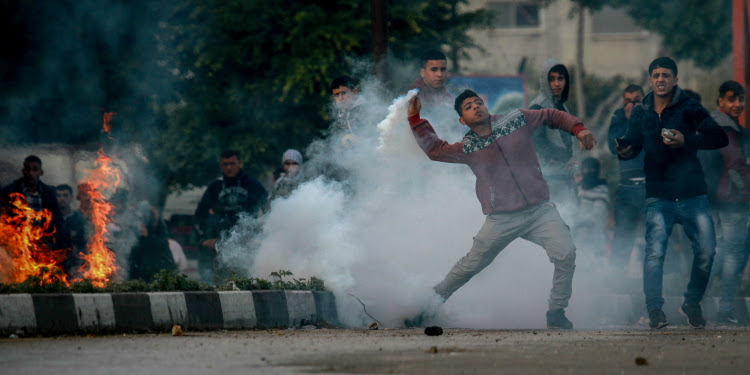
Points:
[(391, 230)]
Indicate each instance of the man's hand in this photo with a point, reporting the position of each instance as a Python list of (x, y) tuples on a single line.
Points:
[(586, 140), (623, 151), (414, 106), (674, 141), (210, 243)]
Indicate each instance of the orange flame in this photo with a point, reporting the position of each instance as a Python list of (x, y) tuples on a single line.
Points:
[(101, 181), (107, 128), (23, 233)]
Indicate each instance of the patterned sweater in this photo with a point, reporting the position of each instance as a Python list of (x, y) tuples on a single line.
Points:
[(505, 163)]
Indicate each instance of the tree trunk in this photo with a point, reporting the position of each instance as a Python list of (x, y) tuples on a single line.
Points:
[(580, 99)]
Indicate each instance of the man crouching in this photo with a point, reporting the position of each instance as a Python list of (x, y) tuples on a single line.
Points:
[(511, 189)]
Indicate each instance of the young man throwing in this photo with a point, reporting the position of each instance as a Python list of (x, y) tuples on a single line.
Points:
[(510, 188)]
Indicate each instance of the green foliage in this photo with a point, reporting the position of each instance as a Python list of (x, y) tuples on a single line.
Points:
[(700, 31), (174, 281), (165, 281), (418, 25), (295, 284)]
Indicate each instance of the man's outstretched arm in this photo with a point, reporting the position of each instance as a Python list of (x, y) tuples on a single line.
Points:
[(561, 120), (435, 148)]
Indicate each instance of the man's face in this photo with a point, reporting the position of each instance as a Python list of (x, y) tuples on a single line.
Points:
[(732, 104), (434, 73), (230, 166), (342, 95), (662, 81), (31, 173), (64, 198), (556, 83), (474, 112), (630, 100)]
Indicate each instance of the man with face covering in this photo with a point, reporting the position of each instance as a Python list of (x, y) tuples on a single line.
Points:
[(554, 147), (290, 178)]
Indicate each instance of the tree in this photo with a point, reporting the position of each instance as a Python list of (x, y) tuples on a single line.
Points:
[(699, 31), (418, 25)]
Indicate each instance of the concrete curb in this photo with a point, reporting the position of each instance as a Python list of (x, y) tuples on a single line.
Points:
[(70, 313)]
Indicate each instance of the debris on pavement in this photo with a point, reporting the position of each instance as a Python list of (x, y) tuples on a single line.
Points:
[(640, 361), (176, 330), (433, 331), (433, 350), (373, 326)]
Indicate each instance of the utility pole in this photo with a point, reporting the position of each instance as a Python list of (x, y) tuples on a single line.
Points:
[(379, 39), (741, 47)]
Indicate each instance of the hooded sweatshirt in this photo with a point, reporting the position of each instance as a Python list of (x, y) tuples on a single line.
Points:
[(553, 146), (673, 173), (504, 163)]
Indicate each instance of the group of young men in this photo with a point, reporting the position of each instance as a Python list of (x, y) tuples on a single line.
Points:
[(523, 162)]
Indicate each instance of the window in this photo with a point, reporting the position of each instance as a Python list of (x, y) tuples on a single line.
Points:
[(514, 14), (613, 21)]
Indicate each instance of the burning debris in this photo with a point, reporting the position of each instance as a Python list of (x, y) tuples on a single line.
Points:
[(26, 237), (28, 243)]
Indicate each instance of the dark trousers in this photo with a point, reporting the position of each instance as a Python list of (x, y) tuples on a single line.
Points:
[(629, 213)]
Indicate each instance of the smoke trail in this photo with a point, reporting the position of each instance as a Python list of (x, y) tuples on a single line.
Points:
[(391, 229)]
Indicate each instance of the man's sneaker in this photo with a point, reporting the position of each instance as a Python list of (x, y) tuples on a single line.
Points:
[(727, 319), (657, 319), (556, 320), (693, 314)]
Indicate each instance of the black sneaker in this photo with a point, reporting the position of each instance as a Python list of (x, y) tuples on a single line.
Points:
[(657, 319), (727, 319), (556, 320), (693, 314)]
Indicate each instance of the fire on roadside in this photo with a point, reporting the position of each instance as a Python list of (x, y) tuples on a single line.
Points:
[(100, 182), (25, 236), (26, 233)]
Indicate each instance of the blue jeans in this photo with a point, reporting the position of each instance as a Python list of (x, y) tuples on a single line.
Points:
[(732, 253), (695, 216), (628, 213)]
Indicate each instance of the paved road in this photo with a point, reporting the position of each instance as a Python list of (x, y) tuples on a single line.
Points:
[(401, 351)]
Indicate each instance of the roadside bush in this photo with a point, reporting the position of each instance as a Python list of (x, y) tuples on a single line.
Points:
[(165, 281)]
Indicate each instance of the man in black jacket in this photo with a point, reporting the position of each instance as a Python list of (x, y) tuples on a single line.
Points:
[(39, 196), (671, 127), (225, 198)]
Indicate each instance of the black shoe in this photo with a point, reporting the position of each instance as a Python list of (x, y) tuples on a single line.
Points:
[(693, 314), (657, 319), (727, 319), (556, 320)]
